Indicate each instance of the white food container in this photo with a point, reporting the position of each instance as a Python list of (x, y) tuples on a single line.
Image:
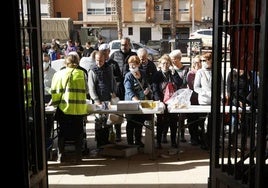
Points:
[(128, 105)]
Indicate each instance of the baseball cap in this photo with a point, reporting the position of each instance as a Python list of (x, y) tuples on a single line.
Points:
[(104, 46)]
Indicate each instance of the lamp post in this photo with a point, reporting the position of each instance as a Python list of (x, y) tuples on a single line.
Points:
[(192, 5)]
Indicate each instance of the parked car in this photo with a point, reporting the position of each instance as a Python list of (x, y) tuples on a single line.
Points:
[(206, 36), (154, 44), (115, 45)]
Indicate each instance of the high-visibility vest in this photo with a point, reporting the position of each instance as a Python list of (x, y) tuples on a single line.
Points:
[(27, 84), (68, 89)]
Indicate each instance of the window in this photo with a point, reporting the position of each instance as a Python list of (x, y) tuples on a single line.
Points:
[(108, 10), (130, 31), (44, 9), (184, 6), (138, 6), (58, 14), (80, 15), (99, 7), (166, 14)]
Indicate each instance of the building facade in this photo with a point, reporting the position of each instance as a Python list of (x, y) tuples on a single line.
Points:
[(141, 20)]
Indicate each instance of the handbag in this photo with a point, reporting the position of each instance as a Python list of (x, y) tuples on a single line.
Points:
[(115, 119), (169, 91)]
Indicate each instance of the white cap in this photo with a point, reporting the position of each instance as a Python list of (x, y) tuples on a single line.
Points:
[(104, 46), (73, 53)]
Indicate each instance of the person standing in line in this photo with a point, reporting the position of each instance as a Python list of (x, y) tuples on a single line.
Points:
[(87, 50), (88, 62), (101, 89), (98, 43), (148, 66), (202, 86), (182, 70), (238, 90), (48, 72), (79, 48), (48, 75), (100, 80), (69, 91), (136, 88), (70, 47), (44, 47), (203, 80), (121, 57), (159, 82), (194, 120), (117, 76), (54, 52)]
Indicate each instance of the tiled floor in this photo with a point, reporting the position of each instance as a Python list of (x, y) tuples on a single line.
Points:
[(190, 169)]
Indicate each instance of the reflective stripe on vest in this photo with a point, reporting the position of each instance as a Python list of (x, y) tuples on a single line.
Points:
[(73, 101)]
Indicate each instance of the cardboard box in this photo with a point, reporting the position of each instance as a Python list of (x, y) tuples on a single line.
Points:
[(128, 105)]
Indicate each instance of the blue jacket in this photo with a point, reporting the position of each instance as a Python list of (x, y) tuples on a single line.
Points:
[(132, 86)]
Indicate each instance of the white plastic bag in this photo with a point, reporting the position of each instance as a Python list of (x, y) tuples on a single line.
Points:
[(180, 99)]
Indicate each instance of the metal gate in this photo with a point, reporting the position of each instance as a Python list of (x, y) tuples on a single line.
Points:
[(239, 149), (27, 128)]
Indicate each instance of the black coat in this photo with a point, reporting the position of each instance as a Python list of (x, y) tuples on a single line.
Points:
[(160, 80)]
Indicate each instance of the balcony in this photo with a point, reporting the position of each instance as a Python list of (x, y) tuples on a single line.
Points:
[(163, 17)]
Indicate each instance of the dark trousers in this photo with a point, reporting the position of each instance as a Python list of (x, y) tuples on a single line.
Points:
[(195, 126), (134, 128), (118, 131), (71, 129), (165, 121), (49, 126)]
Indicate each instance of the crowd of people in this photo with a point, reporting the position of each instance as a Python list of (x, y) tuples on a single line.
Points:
[(89, 73)]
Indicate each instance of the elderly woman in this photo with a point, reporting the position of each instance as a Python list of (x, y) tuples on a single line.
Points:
[(136, 88), (194, 120), (182, 70), (203, 86), (203, 80), (159, 82)]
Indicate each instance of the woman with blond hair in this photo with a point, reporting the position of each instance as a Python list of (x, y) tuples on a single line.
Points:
[(159, 82)]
